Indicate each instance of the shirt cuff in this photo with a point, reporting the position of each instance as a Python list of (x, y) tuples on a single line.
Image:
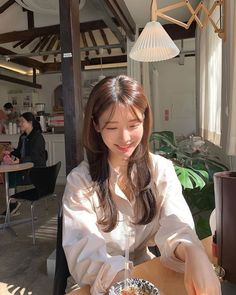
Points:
[(168, 257), (107, 274)]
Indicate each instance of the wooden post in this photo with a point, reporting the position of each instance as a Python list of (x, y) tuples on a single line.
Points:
[(71, 81)]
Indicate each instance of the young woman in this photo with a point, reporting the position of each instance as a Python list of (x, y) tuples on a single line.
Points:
[(31, 145), (121, 188), (30, 148)]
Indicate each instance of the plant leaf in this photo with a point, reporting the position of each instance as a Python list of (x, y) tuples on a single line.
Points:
[(189, 178)]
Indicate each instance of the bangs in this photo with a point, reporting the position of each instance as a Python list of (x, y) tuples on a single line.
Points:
[(133, 109)]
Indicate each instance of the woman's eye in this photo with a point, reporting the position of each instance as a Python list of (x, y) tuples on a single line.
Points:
[(135, 125), (111, 128)]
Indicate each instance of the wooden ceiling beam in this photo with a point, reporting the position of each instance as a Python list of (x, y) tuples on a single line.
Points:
[(85, 42), (53, 67), (18, 43), (30, 18), (93, 41), (44, 43), (20, 81), (23, 61), (6, 5), (102, 8), (50, 46), (28, 34), (58, 46), (104, 37), (52, 43), (38, 44), (25, 43), (105, 60), (92, 25), (123, 16), (48, 30)]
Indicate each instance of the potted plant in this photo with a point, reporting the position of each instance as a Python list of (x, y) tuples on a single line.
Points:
[(195, 169)]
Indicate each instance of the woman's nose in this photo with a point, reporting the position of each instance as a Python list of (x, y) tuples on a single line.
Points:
[(125, 135)]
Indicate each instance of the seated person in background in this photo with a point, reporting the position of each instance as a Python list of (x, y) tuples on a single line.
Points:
[(3, 117), (121, 187), (10, 111), (30, 148)]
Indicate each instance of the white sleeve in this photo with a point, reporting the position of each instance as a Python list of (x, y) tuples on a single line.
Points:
[(176, 222), (84, 245)]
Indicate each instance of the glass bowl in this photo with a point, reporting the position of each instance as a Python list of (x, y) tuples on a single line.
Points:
[(138, 287)]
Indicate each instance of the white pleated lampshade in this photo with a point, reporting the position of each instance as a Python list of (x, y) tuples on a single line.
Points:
[(153, 44)]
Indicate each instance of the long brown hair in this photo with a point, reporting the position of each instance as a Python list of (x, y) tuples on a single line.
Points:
[(109, 92)]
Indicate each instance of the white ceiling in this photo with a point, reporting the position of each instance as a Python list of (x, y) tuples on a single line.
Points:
[(140, 10)]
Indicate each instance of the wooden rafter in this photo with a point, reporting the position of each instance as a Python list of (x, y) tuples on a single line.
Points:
[(123, 16), (20, 81), (44, 43), (56, 67), (28, 34), (58, 46), (106, 60), (101, 7), (50, 46), (48, 30), (38, 44), (24, 61), (104, 37), (52, 43), (6, 5), (85, 43), (23, 43), (30, 18), (27, 42), (93, 41), (18, 43)]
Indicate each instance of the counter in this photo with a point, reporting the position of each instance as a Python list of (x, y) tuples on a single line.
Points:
[(55, 145)]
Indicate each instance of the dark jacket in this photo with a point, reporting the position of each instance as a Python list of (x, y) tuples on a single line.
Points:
[(33, 150)]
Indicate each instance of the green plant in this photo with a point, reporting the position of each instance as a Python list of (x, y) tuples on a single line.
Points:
[(195, 170)]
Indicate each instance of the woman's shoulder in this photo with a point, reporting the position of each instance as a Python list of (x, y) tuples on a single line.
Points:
[(161, 165), (159, 160), (80, 174), (35, 134)]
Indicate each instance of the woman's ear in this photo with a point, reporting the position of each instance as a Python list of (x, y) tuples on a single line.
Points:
[(96, 126)]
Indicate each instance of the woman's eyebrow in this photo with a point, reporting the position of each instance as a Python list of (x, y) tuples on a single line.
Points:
[(110, 122), (134, 120), (116, 122)]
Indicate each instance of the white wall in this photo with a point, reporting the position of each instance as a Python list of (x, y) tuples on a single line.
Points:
[(45, 95), (93, 74), (49, 82), (175, 86)]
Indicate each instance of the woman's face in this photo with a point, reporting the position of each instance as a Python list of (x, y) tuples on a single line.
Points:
[(121, 132), (25, 125)]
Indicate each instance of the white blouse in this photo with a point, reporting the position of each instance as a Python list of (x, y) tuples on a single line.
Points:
[(95, 257)]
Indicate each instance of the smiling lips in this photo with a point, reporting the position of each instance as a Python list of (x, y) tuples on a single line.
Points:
[(124, 149)]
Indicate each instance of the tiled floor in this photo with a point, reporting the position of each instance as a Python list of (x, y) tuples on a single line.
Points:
[(23, 269)]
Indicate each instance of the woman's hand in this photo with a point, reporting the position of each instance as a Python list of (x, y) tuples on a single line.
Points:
[(16, 161), (199, 278)]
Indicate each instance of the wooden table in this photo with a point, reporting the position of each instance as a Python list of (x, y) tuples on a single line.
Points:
[(168, 282), (12, 168)]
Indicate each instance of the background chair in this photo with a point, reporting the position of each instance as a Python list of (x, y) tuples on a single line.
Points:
[(61, 269), (44, 181)]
